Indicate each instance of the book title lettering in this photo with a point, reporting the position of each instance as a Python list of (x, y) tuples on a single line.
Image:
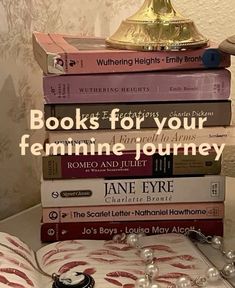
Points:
[(148, 61)]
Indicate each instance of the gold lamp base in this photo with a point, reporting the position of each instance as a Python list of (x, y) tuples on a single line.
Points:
[(157, 26)]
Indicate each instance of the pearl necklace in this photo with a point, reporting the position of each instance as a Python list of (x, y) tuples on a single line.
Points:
[(212, 275), (147, 255)]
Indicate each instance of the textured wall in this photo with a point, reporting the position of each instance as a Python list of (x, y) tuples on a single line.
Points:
[(20, 81)]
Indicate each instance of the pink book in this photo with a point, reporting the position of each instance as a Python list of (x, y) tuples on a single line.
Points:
[(143, 87), (67, 54), (141, 212)]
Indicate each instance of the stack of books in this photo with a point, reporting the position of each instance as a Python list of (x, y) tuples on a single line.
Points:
[(131, 118)]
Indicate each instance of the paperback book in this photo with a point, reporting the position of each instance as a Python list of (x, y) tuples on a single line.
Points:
[(97, 116), (110, 264), (51, 232), (214, 136), (67, 54), (141, 87), (106, 192), (113, 166), (178, 211)]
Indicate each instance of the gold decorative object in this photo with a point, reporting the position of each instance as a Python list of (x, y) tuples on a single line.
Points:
[(157, 26)]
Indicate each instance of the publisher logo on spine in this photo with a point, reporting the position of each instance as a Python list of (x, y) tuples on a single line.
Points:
[(215, 189), (55, 195), (76, 194), (53, 215), (51, 232), (212, 58), (213, 212)]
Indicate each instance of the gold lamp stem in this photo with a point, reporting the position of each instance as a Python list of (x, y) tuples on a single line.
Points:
[(160, 6), (157, 26), (156, 11)]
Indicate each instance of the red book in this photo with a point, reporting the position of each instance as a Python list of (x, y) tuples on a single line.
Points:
[(51, 232)]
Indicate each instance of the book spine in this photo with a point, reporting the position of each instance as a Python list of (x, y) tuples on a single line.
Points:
[(210, 135), (149, 112), (103, 166), (51, 232), (106, 192), (130, 61), (139, 212), (142, 87)]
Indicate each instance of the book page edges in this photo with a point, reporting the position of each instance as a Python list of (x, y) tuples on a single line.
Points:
[(48, 61)]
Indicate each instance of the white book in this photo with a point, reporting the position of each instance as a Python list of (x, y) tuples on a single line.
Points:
[(99, 192)]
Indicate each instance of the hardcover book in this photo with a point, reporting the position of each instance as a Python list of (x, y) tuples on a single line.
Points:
[(133, 87), (67, 54), (110, 264)]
